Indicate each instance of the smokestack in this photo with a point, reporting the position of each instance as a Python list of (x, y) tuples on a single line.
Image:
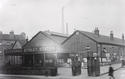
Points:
[(62, 19), (67, 28)]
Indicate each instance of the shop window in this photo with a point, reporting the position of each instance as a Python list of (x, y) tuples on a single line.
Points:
[(49, 61), (60, 61)]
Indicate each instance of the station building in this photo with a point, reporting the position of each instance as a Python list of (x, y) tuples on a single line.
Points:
[(37, 56), (107, 48), (41, 50), (47, 48)]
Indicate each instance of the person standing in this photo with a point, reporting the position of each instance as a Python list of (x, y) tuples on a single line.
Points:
[(111, 72)]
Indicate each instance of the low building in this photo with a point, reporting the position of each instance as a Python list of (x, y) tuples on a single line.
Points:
[(51, 47), (47, 49), (107, 48), (43, 48)]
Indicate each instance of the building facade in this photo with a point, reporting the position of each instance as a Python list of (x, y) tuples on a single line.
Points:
[(43, 48), (107, 48), (9, 42), (48, 47)]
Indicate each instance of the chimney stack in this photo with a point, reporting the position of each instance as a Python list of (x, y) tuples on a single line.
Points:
[(11, 34), (111, 35), (23, 35), (123, 37), (96, 31)]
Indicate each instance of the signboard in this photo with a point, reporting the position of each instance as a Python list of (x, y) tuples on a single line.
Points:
[(44, 48)]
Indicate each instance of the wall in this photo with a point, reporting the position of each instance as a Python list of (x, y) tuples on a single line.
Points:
[(78, 44)]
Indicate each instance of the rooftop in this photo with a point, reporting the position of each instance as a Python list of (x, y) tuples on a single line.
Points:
[(103, 39)]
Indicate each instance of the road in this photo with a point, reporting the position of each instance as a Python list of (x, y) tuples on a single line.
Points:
[(119, 74)]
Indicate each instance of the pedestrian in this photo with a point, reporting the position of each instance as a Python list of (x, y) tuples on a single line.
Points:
[(111, 72)]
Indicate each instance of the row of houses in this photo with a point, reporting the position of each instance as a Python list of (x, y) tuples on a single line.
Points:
[(10, 41), (47, 48)]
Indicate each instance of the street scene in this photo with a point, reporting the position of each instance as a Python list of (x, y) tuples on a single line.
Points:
[(62, 39)]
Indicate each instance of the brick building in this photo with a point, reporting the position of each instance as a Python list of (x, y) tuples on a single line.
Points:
[(107, 48), (47, 45), (42, 49), (11, 41)]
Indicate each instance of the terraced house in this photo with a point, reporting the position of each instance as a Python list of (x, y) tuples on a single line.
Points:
[(7, 41)]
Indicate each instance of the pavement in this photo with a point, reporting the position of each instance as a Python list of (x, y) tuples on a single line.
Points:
[(104, 69), (65, 73)]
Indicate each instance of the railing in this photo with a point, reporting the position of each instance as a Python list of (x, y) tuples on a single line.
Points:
[(48, 71)]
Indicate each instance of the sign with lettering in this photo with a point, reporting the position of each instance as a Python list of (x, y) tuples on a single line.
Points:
[(44, 48)]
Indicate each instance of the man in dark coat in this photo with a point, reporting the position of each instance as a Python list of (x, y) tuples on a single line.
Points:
[(111, 72)]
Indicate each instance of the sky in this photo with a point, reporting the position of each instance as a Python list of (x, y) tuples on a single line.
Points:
[(32, 16)]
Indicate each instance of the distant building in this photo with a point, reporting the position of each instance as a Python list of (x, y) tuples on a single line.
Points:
[(10, 41)]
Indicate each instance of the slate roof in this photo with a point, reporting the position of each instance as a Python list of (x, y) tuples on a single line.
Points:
[(54, 36), (104, 39), (100, 39), (22, 42), (12, 41), (58, 37)]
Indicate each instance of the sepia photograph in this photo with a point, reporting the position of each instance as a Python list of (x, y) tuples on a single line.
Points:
[(62, 39)]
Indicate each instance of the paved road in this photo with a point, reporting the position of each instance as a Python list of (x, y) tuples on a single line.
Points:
[(119, 74)]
